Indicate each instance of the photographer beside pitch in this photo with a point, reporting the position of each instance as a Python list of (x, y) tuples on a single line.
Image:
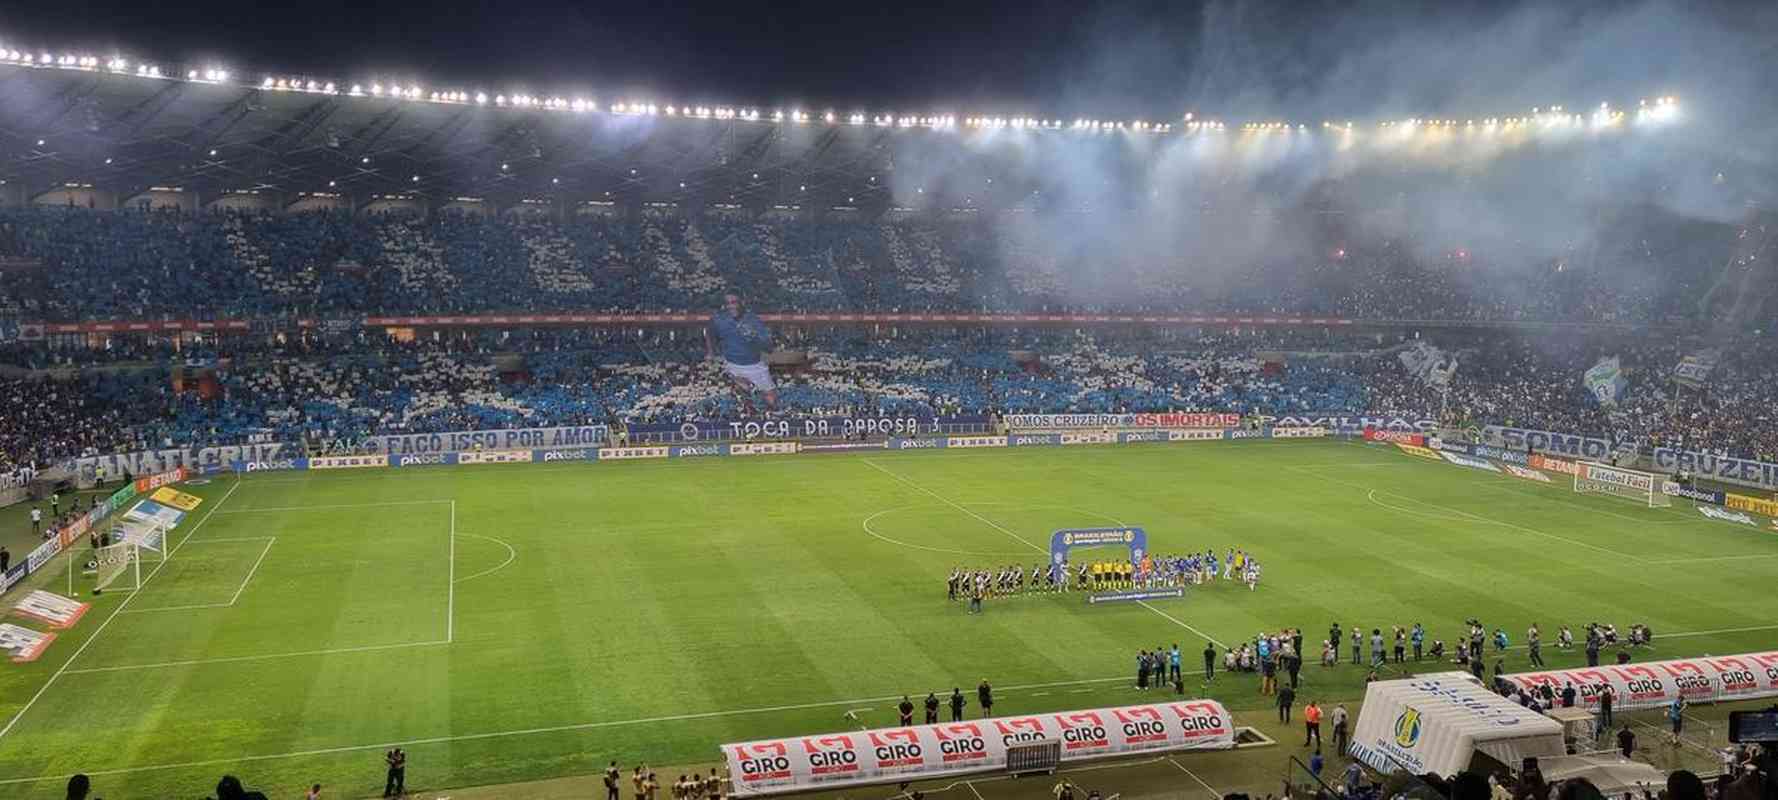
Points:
[(743, 340)]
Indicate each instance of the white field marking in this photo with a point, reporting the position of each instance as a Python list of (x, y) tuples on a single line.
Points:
[(1475, 517), (262, 554), (1517, 486), (195, 606), (974, 791), (1194, 776), (997, 526), (582, 726), (451, 582), (1704, 559), (1372, 496), (1170, 618), (324, 507), (107, 623), (236, 659), (511, 554), (868, 529), (941, 498), (269, 540)]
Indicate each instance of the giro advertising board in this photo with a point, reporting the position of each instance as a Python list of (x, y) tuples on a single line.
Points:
[(1655, 684), (920, 752)]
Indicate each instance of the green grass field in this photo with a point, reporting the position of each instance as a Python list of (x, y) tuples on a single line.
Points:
[(511, 623)]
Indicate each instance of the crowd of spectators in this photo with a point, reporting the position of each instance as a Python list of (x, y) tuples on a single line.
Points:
[(71, 396), (133, 393), (134, 264)]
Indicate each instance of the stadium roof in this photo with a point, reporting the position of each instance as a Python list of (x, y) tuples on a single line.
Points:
[(126, 128)]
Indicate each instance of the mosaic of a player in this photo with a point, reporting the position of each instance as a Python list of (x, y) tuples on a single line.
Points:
[(742, 340)]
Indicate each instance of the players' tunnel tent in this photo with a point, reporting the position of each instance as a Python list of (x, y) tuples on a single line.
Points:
[(1447, 723)]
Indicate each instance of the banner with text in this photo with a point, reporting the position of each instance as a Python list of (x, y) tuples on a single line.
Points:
[(920, 752), (1351, 423), (1060, 422), (1656, 684), (503, 439), (1728, 469)]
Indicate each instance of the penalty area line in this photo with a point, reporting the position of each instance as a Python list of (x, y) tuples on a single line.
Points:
[(108, 620)]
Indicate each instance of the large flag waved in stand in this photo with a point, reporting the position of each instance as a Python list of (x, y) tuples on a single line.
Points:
[(1431, 365), (1606, 381)]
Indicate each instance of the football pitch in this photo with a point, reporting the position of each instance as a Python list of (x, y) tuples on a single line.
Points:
[(511, 623)]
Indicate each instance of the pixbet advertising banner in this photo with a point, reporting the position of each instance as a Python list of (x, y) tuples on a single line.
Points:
[(1059, 422), (495, 457), (1655, 684), (919, 752)]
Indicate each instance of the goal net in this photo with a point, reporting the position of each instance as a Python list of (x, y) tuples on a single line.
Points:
[(116, 563), (1644, 487)]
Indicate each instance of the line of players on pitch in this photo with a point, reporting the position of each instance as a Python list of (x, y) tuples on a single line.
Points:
[(1149, 573)]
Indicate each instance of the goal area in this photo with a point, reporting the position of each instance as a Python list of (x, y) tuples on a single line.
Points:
[(1644, 487), (116, 562)]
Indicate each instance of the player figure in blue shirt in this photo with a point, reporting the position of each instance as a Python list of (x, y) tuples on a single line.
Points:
[(742, 340)]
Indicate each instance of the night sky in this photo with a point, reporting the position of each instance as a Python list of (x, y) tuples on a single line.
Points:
[(1146, 58)]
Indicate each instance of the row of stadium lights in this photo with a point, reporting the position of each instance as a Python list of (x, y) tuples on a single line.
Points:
[(1662, 108)]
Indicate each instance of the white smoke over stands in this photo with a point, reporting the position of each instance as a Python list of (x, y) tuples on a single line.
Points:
[(1471, 132)]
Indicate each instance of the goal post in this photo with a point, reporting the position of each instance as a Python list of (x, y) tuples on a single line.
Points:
[(116, 563), (1591, 477)]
